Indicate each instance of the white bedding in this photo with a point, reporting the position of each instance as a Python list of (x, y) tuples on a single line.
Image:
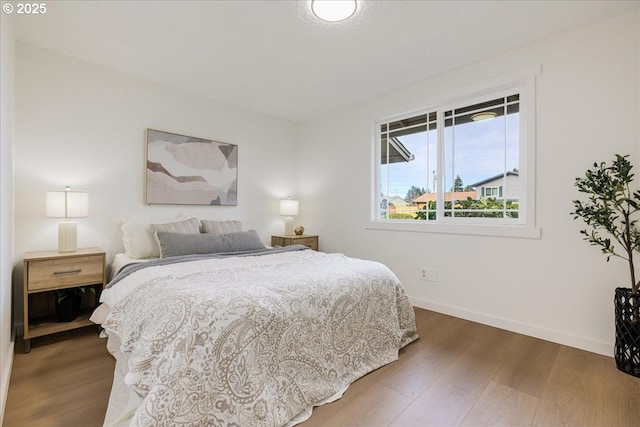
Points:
[(254, 341), (120, 260)]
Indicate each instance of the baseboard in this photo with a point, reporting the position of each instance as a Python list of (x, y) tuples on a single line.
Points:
[(558, 337), (6, 377)]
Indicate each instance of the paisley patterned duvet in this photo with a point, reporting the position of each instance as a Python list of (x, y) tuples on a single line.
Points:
[(254, 341)]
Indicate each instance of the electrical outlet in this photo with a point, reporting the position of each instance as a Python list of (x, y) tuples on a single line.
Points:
[(429, 274)]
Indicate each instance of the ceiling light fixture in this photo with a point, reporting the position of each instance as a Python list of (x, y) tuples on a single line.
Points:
[(333, 10), (484, 115)]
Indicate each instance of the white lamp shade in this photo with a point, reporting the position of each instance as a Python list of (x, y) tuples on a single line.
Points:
[(67, 204), (288, 207)]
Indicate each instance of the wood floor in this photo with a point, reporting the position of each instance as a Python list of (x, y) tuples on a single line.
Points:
[(458, 374)]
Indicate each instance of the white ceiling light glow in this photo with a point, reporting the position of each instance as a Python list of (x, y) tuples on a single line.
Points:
[(333, 10)]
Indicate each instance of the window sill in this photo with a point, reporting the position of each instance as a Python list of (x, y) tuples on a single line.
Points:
[(515, 231)]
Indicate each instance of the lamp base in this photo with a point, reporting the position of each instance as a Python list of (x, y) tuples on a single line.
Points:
[(288, 226), (67, 236)]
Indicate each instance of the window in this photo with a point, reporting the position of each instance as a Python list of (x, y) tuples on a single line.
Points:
[(492, 191), (458, 164), (408, 153)]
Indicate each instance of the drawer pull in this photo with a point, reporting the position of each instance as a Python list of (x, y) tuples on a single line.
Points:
[(58, 273)]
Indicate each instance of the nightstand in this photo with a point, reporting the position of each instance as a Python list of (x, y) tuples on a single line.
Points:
[(305, 239), (49, 271)]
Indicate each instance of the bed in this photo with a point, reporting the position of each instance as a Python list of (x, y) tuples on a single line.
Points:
[(253, 336)]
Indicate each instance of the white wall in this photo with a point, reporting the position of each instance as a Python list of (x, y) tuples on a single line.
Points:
[(7, 109), (84, 125), (556, 287)]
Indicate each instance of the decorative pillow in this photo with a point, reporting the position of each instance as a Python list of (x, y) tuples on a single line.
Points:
[(174, 244), (191, 225), (188, 226), (220, 227), (138, 239)]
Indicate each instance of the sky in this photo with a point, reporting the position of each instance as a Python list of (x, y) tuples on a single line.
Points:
[(474, 151)]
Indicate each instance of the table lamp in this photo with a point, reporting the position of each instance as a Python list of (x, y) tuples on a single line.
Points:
[(288, 208), (67, 204)]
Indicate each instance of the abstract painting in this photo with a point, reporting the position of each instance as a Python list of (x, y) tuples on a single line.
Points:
[(183, 170)]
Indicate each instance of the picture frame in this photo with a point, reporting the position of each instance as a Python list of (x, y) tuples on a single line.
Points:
[(186, 170)]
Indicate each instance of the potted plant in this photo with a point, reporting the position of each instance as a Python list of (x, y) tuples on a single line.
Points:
[(68, 303), (610, 213)]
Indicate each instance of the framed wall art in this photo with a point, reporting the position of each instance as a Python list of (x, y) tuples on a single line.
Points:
[(183, 170)]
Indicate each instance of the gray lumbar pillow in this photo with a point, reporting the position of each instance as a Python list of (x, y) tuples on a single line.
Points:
[(174, 244)]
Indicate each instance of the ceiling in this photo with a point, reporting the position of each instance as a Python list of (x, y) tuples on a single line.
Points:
[(274, 57)]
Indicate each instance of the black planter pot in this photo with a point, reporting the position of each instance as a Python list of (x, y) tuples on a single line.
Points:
[(68, 309), (627, 347)]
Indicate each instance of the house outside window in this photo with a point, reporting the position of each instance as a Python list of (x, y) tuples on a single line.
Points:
[(499, 187)]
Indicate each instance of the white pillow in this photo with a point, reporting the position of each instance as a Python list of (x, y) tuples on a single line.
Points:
[(137, 237), (220, 227)]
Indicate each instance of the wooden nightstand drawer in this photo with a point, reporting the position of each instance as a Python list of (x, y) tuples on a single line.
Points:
[(63, 272)]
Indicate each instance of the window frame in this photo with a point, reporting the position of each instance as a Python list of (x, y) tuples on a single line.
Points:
[(525, 227)]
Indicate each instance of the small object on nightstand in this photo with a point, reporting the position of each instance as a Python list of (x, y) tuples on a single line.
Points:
[(51, 271), (305, 239), (299, 230)]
